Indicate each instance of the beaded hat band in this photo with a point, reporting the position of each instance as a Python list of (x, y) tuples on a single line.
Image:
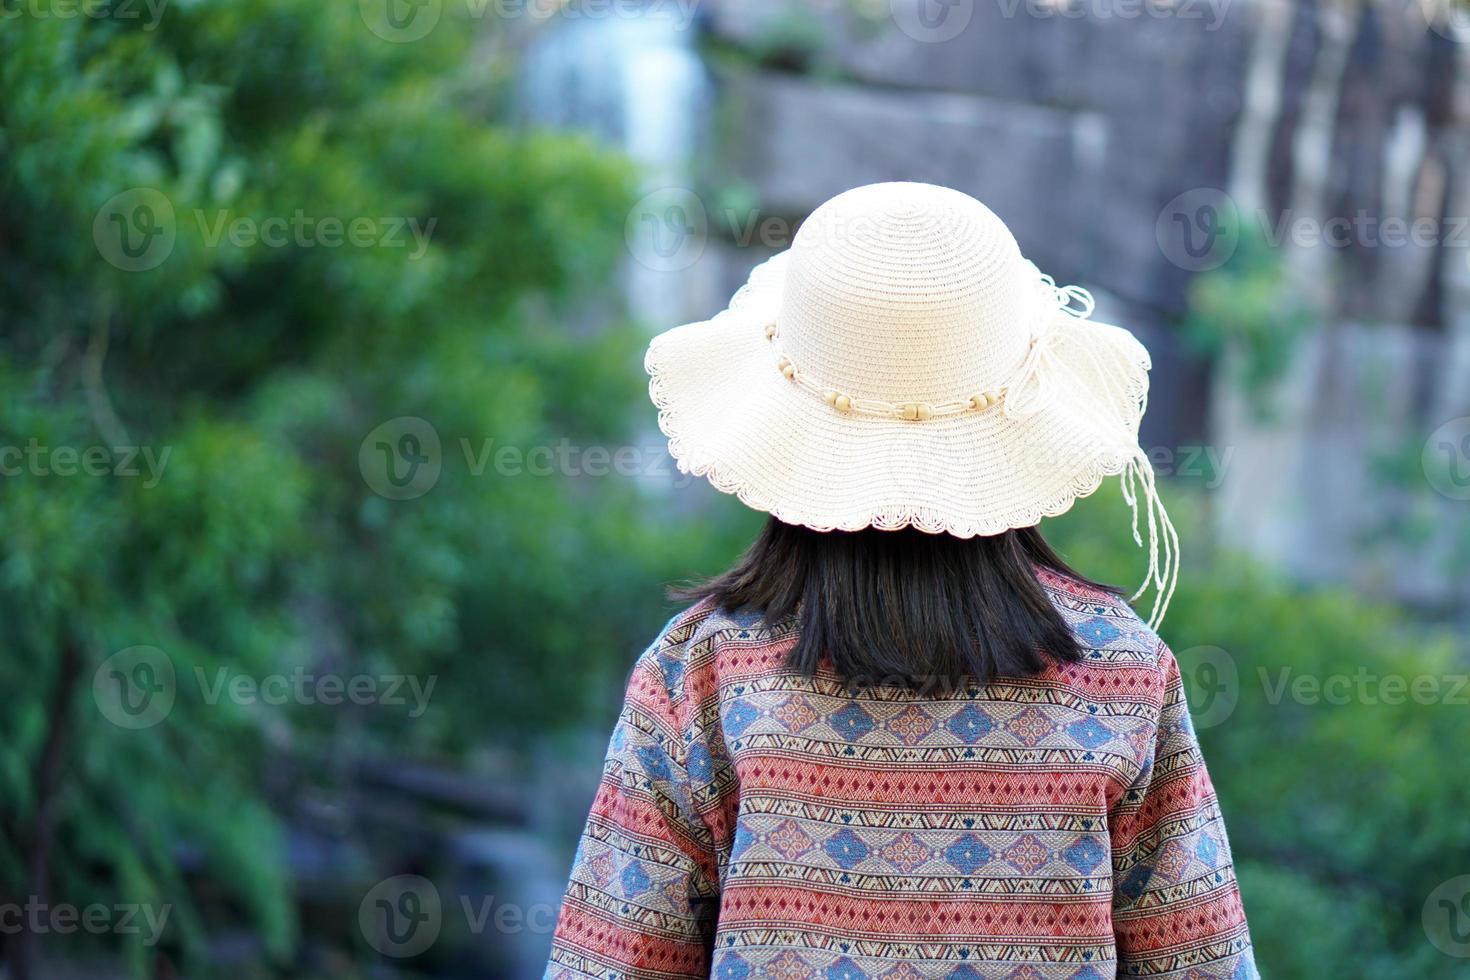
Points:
[(920, 411)]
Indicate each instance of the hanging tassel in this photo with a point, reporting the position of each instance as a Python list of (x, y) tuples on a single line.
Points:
[(1034, 384), (1141, 487)]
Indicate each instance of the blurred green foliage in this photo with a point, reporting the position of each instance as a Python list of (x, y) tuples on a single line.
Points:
[(1248, 317), (260, 548)]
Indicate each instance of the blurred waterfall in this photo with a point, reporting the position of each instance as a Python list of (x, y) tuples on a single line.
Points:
[(635, 81)]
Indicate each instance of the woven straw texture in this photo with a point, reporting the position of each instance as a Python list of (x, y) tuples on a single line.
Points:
[(893, 295)]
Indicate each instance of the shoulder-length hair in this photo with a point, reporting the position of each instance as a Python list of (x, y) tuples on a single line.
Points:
[(903, 608)]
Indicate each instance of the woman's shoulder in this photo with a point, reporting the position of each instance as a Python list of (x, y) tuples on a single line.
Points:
[(694, 637), (1107, 626), (707, 622)]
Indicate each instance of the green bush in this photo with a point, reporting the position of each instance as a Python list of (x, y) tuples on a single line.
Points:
[(254, 372)]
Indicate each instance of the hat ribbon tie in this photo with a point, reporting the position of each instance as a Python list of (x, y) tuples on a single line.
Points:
[(1035, 383), (1032, 386)]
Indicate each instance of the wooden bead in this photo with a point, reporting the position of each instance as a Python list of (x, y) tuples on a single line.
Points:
[(788, 369), (916, 411), (981, 401), (843, 403), (830, 397), (770, 331)]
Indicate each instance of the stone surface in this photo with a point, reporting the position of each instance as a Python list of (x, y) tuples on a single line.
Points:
[(1081, 130), (799, 142), (1328, 486), (1077, 126), (1124, 57)]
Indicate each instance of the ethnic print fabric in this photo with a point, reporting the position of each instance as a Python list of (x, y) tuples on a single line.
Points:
[(754, 823)]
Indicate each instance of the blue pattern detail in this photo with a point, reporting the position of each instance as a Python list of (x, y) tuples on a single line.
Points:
[(635, 880), (1244, 971), (654, 762), (701, 764), (969, 724), (852, 722), (847, 849), (968, 854), (845, 969), (673, 671), (1090, 733), (1084, 855), (732, 966), (1098, 631), (1207, 850), (740, 717), (1136, 882), (745, 619)]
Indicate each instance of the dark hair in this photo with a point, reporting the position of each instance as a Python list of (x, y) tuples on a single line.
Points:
[(903, 608)]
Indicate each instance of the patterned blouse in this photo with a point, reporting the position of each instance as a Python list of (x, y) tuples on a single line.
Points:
[(755, 823)]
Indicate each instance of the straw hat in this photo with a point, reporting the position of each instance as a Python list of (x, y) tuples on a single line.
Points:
[(902, 364)]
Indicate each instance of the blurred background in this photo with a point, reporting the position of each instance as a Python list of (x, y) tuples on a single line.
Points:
[(334, 513)]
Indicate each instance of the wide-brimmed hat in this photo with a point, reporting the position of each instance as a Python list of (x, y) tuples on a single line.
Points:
[(902, 364)]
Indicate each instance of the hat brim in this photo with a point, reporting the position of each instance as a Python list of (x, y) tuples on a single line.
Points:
[(731, 417)]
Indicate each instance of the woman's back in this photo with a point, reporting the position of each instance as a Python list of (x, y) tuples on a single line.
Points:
[(757, 822), (901, 737)]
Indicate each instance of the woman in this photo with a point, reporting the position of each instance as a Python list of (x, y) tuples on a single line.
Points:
[(901, 738)]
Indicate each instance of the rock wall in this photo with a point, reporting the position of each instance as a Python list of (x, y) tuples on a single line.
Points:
[(1342, 129), (1354, 158)]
